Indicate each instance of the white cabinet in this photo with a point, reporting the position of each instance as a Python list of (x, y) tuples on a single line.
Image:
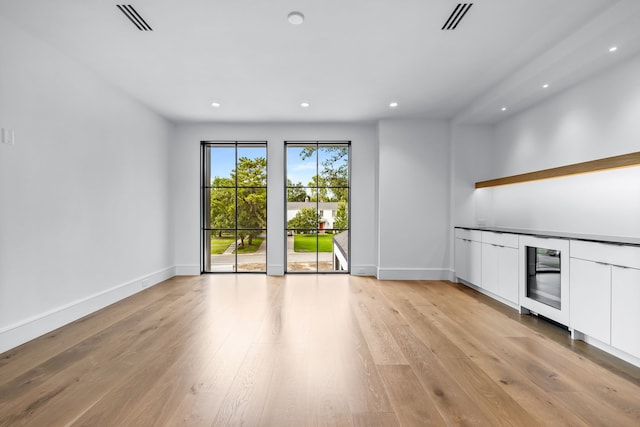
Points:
[(603, 284), (625, 309), (605, 293), (590, 298), (475, 262), (488, 260), (468, 255), (500, 264), (490, 267), (461, 259), (508, 274)]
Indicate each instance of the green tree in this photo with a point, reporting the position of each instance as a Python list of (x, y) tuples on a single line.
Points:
[(318, 189), (251, 172), (342, 219), (252, 197), (295, 192), (251, 213), (306, 218), (222, 204), (335, 160), (334, 171)]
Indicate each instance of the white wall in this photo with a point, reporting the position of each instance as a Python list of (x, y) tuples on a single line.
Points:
[(185, 185), (413, 199), (470, 159), (84, 192), (596, 119)]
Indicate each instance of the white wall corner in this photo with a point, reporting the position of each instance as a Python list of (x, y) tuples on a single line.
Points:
[(26, 330), (451, 274)]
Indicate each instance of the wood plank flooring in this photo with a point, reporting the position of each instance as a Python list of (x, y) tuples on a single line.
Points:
[(312, 350)]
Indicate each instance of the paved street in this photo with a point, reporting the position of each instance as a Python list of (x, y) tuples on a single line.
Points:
[(257, 260)]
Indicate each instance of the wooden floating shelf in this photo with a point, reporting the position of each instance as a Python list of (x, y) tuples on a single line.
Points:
[(625, 160)]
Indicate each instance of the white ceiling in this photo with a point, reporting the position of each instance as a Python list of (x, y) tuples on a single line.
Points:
[(348, 60)]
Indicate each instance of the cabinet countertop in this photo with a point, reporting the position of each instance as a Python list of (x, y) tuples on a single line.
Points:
[(616, 240)]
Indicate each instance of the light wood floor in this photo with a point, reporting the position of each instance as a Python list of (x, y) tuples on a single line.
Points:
[(306, 350)]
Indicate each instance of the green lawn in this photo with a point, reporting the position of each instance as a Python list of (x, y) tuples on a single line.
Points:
[(307, 242), (220, 244), (249, 249)]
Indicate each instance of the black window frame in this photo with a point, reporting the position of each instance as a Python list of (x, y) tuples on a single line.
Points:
[(318, 144), (204, 214)]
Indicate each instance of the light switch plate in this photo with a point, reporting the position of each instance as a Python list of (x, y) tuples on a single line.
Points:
[(8, 136)]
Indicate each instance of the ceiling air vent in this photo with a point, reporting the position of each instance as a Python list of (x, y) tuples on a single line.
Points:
[(456, 16), (134, 17)]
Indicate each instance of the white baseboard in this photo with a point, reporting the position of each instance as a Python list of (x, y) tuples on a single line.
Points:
[(606, 347), (363, 270), (21, 332), (491, 295), (413, 274), (451, 275), (187, 270)]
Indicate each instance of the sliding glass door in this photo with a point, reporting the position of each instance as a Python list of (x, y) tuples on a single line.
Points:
[(234, 206), (317, 211)]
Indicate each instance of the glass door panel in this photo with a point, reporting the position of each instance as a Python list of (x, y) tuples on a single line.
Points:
[(317, 206), (252, 254), (302, 251), (234, 198), (222, 257)]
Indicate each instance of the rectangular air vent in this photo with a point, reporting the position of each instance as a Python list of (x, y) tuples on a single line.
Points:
[(456, 16), (134, 17)]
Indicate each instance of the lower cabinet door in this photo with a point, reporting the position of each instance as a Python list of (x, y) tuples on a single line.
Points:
[(462, 259), (625, 310), (490, 267), (590, 299), (508, 274), (475, 263)]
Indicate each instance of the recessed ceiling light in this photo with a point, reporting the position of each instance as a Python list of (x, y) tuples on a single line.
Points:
[(503, 109), (613, 48), (304, 104), (393, 104), (215, 104), (546, 85), (295, 18)]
